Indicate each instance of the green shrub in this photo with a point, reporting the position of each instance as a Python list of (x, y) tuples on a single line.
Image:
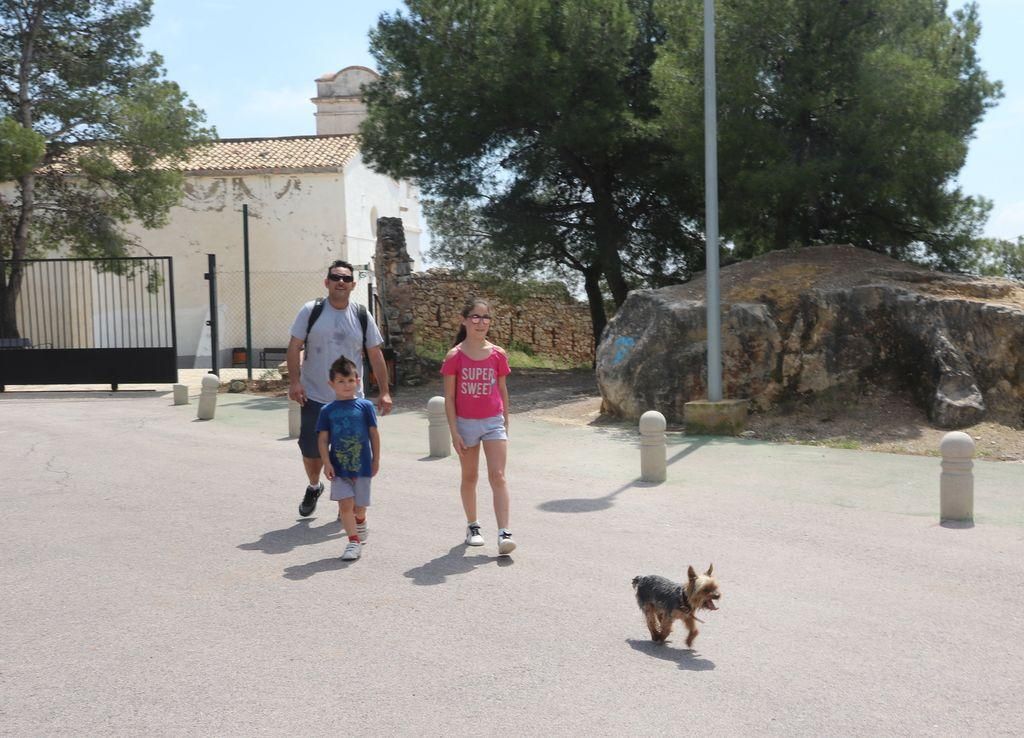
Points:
[(521, 347), (432, 350)]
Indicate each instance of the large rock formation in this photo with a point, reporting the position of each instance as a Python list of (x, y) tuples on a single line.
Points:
[(825, 319)]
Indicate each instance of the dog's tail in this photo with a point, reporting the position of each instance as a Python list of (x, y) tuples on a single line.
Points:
[(636, 581)]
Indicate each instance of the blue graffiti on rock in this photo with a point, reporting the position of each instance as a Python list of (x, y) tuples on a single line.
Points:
[(623, 345)]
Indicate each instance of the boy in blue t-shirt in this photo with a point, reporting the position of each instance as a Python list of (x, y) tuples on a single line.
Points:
[(350, 450)]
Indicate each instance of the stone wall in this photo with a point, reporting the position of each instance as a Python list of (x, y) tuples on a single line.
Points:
[(423, 310), (549, 326)]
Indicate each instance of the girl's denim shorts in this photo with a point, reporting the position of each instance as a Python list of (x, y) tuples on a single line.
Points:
[(474, 430)]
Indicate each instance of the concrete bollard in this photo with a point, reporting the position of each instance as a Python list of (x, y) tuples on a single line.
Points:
[(181, 394), (956, 483), (652, 447), (208, 397), (438, 431), (294, 419)]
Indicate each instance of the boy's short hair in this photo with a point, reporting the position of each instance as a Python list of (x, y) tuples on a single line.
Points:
[(344, 367)]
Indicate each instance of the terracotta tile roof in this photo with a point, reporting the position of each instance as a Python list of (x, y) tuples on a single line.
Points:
[(260, 154), (286, 153)]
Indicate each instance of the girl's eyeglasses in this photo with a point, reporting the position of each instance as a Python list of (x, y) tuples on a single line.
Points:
[(340, 277), (479, 318)]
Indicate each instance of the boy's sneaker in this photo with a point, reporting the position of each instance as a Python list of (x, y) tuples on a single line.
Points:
[(473, 537), (309, 500), (362, 531), (352, 551), (505, 543)]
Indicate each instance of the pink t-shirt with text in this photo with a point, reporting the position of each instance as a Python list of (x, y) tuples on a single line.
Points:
[(476, 383)]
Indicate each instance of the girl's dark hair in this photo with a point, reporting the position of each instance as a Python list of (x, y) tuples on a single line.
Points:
[(467, 308)]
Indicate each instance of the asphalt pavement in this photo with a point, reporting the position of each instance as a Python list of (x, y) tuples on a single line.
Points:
[(157, 580)]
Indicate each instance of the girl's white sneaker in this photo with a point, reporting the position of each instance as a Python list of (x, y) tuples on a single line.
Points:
[(473, 537), (505, 543)]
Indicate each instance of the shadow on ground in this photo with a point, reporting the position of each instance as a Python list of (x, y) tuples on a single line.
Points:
[(303, 533), (305, 571), (591, 504), (258, 402), (686, 659), (87, 394), (437, 571), (596, 504)]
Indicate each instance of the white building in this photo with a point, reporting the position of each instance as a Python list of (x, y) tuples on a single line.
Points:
[(311, 200)]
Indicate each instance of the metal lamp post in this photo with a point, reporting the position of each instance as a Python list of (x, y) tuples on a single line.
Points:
[(714, 415), (714, 317)]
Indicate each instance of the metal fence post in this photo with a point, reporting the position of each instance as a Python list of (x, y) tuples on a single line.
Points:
[(211, 275), (248, 300)]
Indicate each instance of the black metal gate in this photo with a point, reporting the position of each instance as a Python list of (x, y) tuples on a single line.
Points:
[(93, 321)]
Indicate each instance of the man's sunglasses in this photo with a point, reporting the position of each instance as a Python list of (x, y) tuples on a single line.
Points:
[(479, 318), (341, 277)]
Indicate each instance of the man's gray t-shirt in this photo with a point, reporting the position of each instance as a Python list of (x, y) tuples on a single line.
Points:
[(335, 333)]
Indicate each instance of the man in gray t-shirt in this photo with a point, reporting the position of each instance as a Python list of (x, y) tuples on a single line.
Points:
[(336, 332)]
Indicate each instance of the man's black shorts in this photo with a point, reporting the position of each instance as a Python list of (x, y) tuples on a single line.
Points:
[(307, 432)]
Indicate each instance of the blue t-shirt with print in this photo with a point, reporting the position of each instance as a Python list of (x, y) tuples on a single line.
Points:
[(348, 422)]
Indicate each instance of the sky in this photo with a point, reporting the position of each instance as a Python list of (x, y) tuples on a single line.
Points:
[(251, 66)]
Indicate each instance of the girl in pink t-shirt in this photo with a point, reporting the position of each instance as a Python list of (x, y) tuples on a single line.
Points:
[(476, 402)]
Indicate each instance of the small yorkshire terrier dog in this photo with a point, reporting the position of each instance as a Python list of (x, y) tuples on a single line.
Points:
[(663, 601)]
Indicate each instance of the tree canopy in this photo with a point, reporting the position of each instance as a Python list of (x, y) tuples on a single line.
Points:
[(529, 124), (91, 132), (568, 135), (839, 121), (1000, 257)]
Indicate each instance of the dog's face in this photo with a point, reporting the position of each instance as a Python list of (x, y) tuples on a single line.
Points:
[(702, 590)]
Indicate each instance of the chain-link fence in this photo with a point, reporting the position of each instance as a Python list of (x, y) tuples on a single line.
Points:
[(275, 299)]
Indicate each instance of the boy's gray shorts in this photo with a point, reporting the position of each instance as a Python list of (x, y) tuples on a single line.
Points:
[(344, 487), (474, 430)]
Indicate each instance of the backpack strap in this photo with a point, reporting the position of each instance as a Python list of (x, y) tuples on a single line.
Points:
[(318, 307), (363, 320)]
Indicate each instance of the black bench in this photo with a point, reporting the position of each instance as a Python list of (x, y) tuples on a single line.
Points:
[(265, 352)]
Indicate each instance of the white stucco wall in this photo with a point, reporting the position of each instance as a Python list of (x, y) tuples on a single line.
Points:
[(296, 227), (298, 223), (369, 196)]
